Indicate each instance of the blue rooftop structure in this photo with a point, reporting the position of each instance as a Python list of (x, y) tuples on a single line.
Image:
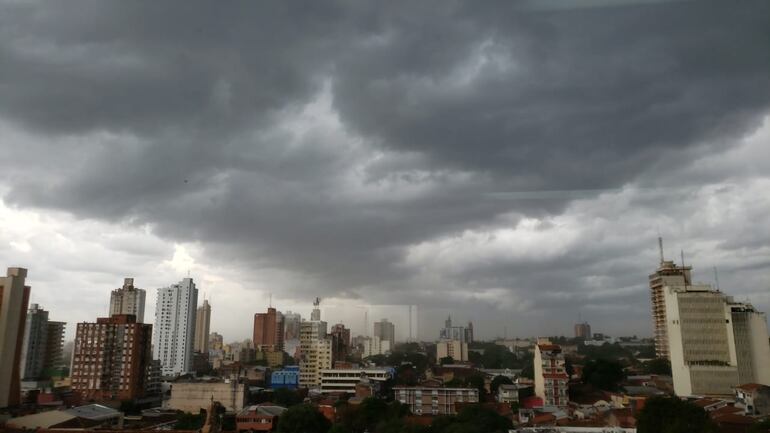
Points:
[(286, 378)]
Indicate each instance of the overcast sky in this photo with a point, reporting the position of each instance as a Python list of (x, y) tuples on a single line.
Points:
[(509, 163)]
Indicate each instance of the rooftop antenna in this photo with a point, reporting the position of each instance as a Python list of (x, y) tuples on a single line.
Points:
[(660, 248), (270, 302), (684, 273), (716, 278)]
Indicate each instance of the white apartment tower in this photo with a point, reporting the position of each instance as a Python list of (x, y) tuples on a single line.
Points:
[(128, 300), (174, 331)]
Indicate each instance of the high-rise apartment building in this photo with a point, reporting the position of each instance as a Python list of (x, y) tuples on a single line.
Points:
[(583, 330), (455, 349), (268, 330), (385, 330), (42, 347), (315, 350), (202, 327), (128, 300), (14, 299), (33, 348), (291, 323), (551, 377), (112, 358), (667, 274), (174, 334), (469, 333), (340, 336)]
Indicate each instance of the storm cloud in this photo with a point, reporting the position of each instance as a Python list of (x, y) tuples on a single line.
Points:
[(508, 162)]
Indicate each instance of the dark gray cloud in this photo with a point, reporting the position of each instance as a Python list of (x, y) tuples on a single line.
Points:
[(363, 148)]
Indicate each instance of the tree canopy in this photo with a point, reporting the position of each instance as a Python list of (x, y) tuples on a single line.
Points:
[(672, 415), (603, 374), (302, 418)]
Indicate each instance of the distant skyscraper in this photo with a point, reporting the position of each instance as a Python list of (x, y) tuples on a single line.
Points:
[(455, 349), (386, 331), (340, 342), (291, 323), (469, 333), (14, 299), (128, 300), (202, 326), (112, 359), (175, 313), (42, 347), (452, 332), (583, 330), (268, 330)]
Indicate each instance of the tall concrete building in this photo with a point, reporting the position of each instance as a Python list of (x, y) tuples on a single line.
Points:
[(551, 379), (128, 300), (291, 323), (43, 343), (376, 346), (34, 346), (315, 350), (385, 330), (268, 330), (340, 336), (667, 274), (174, 334), (14, 299), (112, 359), (469, 333), (583, 330), (714, 343), (202, 327)]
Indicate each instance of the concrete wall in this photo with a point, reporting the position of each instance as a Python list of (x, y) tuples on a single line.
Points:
[(194, 396)]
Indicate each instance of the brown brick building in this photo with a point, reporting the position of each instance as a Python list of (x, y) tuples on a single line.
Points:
[(268, 330), (111, 358)]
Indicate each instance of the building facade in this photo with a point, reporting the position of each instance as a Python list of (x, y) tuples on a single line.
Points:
[(268, 330), (35, 341), (340, 342), (551, 379), (385, 330), (175, 314), (194, 396), (376, 346), (202, 327), (14, 299), (128, 300), (714, 343), (111, 358), (583, 330), (455, 349), (434, 401), (345, 380), (291, 323), (315, 352)]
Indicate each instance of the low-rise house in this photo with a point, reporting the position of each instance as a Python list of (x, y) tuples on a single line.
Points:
[(508, 393), (261, 417)]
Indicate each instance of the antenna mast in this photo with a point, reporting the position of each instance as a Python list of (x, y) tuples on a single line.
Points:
[(660, 248)]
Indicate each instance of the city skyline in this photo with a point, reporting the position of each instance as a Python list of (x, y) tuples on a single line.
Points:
[(510, 165)]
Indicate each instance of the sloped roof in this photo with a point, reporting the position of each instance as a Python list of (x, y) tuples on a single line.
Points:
[(40, 420)]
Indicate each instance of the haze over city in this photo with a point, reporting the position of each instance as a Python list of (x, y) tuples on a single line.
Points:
[(512, 164)]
